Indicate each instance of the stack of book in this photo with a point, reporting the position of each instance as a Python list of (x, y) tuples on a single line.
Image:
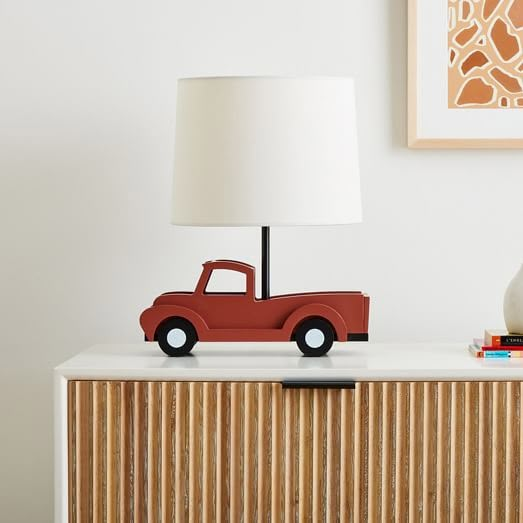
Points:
[(498, 344)]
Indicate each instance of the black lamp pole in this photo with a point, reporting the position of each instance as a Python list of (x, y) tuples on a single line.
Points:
[(265, 248)]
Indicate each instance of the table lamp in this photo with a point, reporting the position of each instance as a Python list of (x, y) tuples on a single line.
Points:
[(262, 151)]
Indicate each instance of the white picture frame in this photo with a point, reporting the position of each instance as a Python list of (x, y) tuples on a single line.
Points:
[(435, 120)]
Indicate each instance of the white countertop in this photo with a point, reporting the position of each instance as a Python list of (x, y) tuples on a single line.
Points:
[(279, 361)]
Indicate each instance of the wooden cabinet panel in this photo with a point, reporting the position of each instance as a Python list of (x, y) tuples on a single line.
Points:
[(216, 451)]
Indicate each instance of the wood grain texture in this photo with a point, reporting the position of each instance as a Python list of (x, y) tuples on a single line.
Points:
[(203, 451), (125, 451), (236, 449), (83, 451), (415, 450), (167, 449), (194, 443), (153, 450), (443, 453), (140, 452), (333, 454), (387, 446), (319, 444), (346, 457), (276, 453), (304, 460), (112, 424), (373, 465), (262, 452), (470, 452), (249, 463), (222, 456), (498, 450), (98, 450), (180, 452), (290, 431), (429, 451), (456, 452), (401, 454)]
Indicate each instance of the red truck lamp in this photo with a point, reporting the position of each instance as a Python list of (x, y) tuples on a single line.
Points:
[(264, 151)]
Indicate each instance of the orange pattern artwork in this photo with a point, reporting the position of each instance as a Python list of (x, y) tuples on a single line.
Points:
[(485, 54)]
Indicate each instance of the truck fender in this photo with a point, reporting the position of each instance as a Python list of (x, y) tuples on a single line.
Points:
[(316, 310), (151, 318)]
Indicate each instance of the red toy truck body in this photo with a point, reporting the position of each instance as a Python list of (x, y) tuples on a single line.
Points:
[(178, 319)]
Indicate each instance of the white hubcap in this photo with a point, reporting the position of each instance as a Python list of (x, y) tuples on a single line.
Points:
[(314, 338), (176, 338)]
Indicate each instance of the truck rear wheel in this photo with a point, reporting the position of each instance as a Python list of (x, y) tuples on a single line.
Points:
[(314, 337), (176, 337)]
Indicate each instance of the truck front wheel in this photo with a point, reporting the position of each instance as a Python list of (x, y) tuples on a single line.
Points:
[(314, 337), (176, 336)]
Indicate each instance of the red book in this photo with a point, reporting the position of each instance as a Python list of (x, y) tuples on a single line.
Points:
[(478, 343)]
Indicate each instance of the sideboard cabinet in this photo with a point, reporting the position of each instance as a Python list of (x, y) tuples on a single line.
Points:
[(316, 444)]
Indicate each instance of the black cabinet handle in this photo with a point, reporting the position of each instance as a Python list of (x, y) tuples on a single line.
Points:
[(318, 384)]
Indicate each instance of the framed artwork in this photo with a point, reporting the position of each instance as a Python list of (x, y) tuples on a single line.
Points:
[(465, 73)]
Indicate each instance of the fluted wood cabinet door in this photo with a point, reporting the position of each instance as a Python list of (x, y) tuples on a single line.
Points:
[(215, 451)]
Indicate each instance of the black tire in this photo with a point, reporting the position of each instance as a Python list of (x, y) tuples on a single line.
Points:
[(323, 339), (165, 335)]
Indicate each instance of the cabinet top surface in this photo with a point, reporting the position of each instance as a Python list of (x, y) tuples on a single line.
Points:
[(280, 361)]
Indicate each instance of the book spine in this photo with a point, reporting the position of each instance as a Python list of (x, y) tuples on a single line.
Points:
[(510, 340), (514, 348), (496, 354), (507, 340)]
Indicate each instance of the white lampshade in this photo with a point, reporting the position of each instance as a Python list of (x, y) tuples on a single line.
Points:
[(266, 151)]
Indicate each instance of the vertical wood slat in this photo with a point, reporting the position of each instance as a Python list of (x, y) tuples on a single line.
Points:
[(443, 453), (248, 452), (208, 464), (262, 452), (194, 444), (290, 406), (180, 452), (235, 464), (333, 455), (359, 489), (318, 445), (447, 448), (512, 456), (304, 449), (222, 494), (520, 480), (71, 450), (498, 451), (456, 452), (347, 435), (429, 449), (140, 452), (153, 450), (125, 451), (484, 451), (113, 397), (167, 452), (99, 414), (415, 450), (387, 444), (276, 452), (83, 451), (374, 451), (401, 453), (470, 453)]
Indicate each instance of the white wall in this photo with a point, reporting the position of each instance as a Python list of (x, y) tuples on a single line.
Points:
[(87, 101)]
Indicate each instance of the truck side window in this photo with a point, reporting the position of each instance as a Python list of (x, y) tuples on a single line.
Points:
[(223, 281)]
